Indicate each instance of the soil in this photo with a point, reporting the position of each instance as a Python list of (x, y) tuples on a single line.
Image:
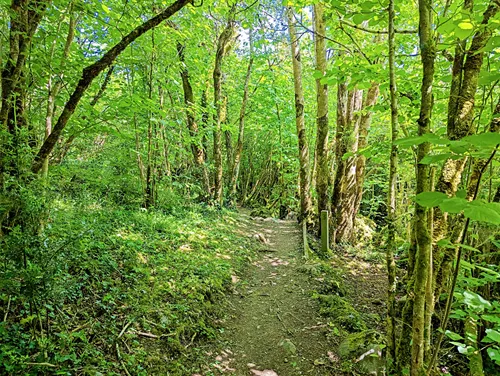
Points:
[(273, 325)]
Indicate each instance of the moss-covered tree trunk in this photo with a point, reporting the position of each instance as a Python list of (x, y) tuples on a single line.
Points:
[(391, 200), (196, 147), (424, 238), (321, 156), (222, 42), (364, 126), (304, 173), (349, 106), (466, 68)]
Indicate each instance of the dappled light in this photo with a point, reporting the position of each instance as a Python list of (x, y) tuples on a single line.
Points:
[(249, 188)]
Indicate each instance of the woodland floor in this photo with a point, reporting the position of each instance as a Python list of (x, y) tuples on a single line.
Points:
[(273, 325)]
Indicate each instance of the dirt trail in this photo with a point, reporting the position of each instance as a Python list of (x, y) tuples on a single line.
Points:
[(274, 322)]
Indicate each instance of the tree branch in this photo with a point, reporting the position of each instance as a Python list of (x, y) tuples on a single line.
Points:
[(367, 30), (92, 71)]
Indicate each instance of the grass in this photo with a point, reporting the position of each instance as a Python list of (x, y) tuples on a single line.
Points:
[(109, 290)]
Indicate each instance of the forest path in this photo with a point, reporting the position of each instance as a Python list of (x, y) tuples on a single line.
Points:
[(274, 322)]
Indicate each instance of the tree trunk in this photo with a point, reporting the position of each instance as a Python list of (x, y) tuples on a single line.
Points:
[(321, 155), (54, 89), (391, 198), (241, 130), (349, 105), (304, 174), (460, 124), (196, 148), (25, 18), (424, 239), (364, 126), (223, 40)]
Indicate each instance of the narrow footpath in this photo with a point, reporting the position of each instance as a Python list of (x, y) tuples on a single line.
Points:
[(274, 327)]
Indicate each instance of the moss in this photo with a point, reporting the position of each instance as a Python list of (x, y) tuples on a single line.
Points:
[(367, 343), (332, 280), (356, 344), (342, 312)]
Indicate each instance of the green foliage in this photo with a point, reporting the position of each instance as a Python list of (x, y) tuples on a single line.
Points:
[(471, 305), (341, 312), (97, 268)]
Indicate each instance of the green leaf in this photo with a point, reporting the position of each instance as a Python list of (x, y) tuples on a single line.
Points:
[(486, 140), (360, 17), (491, 318), (487, 78), (463, 29), (409, 141), (492, 336), (465, 25), (317, 74), (476, 301), (467, 265), (494, 354), (430, 159), (459, 147), (453, 205), (105, 8), (430, 199), (483, 212), (446, 243), (453, 336)]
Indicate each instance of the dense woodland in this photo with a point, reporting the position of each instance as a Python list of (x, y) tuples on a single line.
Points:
[(131, 131)]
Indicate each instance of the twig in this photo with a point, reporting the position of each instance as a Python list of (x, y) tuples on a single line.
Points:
[(7, 310), (315, 327), (192, 340), (125, 328), (377, 31), (79, 327), (121, 360), (42, 365)]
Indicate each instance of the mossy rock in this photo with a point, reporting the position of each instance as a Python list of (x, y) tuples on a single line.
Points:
[(365, 348), (332, 279), (342, 312)]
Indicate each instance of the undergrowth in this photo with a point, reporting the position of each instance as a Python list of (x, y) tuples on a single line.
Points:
[(102, 289)]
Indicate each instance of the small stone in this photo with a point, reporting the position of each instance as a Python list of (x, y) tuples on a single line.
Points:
[(251, 365)]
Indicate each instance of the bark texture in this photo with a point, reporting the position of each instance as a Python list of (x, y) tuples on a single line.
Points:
[(424, 239), (349, 106), (222, 42), (321, 156), (241, 129), (196, 147), (304, 174)]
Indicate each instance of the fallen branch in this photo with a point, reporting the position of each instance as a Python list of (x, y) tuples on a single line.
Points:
[(42, 365), (124, 329)]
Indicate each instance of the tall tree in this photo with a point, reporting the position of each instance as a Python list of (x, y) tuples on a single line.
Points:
[(424, 238), (241, 129), (196, 147), (222, 43), (391, 198), (322, 167), (349, 106), (304, 173)]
